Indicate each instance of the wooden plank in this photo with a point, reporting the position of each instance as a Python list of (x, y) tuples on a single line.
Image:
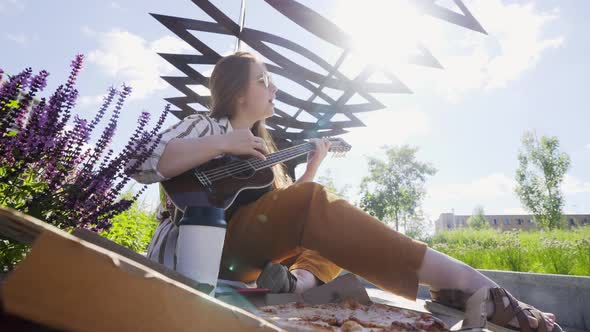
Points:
[(23, 228), (63, 271), (107, 244)]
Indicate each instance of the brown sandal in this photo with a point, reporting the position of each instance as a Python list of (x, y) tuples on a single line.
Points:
[(501, 315), (450, 297)]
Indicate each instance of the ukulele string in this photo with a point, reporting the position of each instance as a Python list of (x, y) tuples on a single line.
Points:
[(224, 171), (247, 165), (241, 166)]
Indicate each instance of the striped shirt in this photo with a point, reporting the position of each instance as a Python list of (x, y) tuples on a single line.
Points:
[(162, 247)]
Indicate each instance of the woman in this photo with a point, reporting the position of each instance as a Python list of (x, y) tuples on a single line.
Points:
[(302, 225)]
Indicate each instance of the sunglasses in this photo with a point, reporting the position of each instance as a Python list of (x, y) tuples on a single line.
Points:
[(266, 79)]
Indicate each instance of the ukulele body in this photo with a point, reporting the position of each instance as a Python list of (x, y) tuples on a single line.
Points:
[(204, 185)]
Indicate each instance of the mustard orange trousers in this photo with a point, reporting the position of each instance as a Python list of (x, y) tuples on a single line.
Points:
[(305, 226)]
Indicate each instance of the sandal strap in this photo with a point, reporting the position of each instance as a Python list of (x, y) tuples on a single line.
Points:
[(502, 315), (523, 321), (537, 314)]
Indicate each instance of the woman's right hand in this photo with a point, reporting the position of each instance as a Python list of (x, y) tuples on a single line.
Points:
[(243, 142)]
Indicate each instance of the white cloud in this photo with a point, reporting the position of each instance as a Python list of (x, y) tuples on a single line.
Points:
[(19, 38), (492, 186), (90, 101), (498, 185), (8, 5), (494, 191), (588, 146), (133, 60), (517, 38), (518, 31), (573, 185), (388, 127), (169, 44), (115, 5)]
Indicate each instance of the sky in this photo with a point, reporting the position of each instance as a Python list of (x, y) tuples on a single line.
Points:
[(528, 73)]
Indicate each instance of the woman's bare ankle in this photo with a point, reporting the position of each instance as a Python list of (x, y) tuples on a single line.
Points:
[(305, 280)]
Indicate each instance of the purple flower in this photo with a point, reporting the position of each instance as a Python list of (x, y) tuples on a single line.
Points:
[(82, 186), (107, 100)]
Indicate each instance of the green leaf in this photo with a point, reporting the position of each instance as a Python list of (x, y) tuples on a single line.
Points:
[(13, 104)]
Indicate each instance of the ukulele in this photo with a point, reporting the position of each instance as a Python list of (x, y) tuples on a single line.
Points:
[(223, 181)]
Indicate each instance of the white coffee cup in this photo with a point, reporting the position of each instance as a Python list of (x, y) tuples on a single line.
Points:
[(200, 244)]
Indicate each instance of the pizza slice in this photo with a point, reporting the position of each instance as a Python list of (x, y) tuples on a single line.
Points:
[(349, 316)]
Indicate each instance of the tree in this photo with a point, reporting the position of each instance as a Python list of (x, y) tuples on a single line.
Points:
[(394, 189), (478, 219), (539, 175), (420, 227), (327, 180)]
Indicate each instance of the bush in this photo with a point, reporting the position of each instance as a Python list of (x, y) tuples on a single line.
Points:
[(133, 228), (10, 254), (49, 170)]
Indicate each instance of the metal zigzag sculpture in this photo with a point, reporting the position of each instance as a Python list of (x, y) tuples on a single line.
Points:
[(285, 126)]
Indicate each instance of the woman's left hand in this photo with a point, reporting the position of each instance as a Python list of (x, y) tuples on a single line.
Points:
[(315, 157)]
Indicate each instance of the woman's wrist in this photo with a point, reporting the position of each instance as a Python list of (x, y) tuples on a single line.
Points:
[(305, 177), (219, 142), (309, 173), (312, 169)]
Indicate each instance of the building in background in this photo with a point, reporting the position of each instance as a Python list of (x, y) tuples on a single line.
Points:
[(504, 222)]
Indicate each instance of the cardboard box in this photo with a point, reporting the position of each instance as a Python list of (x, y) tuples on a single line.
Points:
[(70, 284), (88, 283)]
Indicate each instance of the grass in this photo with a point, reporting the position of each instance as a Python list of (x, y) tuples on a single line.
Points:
[(557, 251)]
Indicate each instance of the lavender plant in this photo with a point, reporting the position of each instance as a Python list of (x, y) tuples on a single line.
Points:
[(47, 168)]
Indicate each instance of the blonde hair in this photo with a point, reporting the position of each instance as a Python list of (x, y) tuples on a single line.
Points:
[(230, 77)]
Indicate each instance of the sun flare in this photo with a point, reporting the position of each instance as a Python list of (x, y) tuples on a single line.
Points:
[(383, 32)]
